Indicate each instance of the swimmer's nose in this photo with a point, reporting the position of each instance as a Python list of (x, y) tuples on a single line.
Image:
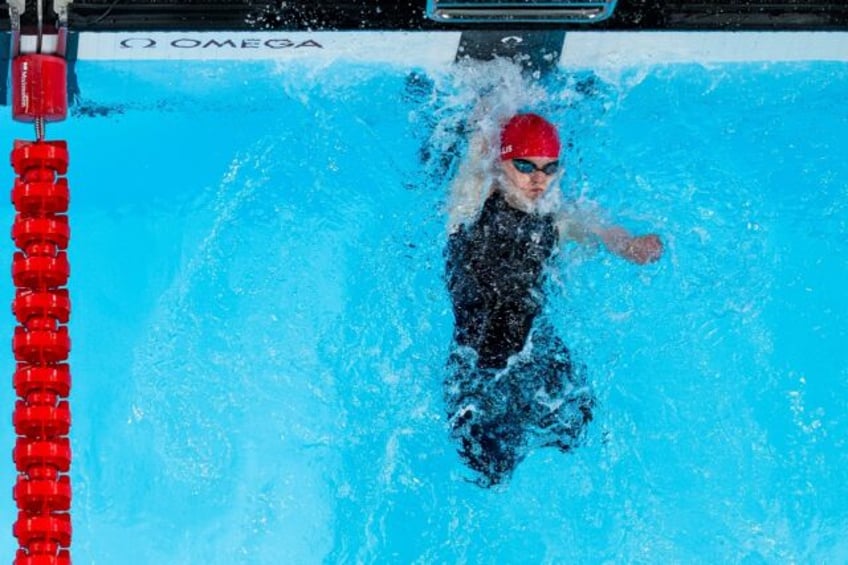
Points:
[(538, 178)]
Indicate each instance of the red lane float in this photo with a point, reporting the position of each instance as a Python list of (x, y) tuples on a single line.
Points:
[(41, 345), (40, 271), (39, 88)]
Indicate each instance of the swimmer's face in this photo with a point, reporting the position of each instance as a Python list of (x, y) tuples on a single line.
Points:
[(530, 176)]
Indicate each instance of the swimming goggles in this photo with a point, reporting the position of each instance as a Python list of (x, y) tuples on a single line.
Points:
[(528, 168)]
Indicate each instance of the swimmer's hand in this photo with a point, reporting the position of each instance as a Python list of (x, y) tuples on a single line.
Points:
[(642, 249)]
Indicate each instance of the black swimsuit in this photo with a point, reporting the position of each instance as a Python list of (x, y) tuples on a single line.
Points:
[(499, 409), (495, 277)]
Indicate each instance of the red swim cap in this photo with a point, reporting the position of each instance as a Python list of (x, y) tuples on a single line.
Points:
[(529, 135)]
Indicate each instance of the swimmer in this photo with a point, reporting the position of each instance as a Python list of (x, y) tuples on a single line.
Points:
[(512, 383)]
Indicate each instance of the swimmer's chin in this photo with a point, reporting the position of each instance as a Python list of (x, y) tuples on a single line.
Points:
[(521, 202)]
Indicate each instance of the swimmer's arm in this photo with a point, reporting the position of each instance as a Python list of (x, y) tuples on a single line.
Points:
[(471, 186), (638, 249)]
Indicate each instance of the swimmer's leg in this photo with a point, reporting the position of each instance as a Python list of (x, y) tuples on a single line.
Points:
[(564, 403), (569, 425), (490, 437), (492, 448)]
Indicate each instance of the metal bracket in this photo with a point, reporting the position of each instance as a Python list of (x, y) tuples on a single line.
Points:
[(60, 7), (16, 10), (37, 32), (512, 11)]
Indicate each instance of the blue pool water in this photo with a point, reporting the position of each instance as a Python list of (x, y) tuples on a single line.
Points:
[(260, 322)]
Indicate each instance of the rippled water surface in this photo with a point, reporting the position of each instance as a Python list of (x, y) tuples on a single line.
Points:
[(260, 321)]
